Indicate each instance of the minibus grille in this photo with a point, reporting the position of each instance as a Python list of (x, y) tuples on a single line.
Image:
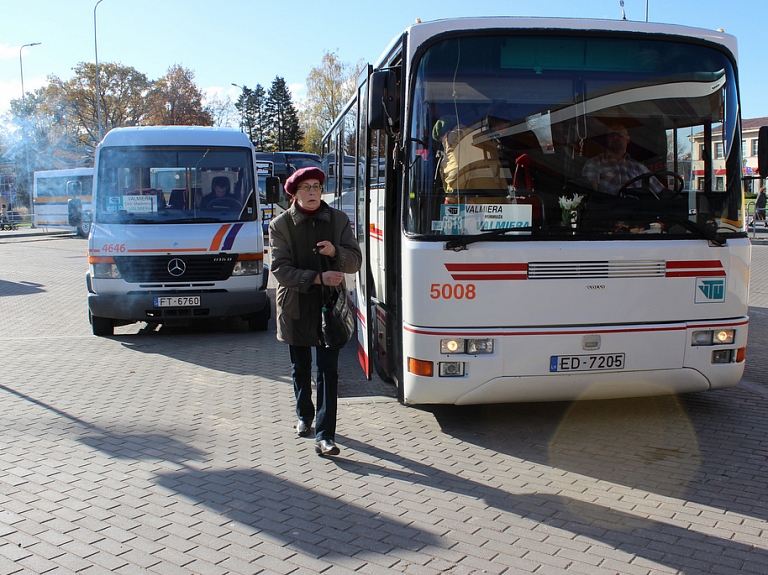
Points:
[(609, 269), (171, 268)]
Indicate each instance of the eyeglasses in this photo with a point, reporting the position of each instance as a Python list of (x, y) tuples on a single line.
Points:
[(307, 187)]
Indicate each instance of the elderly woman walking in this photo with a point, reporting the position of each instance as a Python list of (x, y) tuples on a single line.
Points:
[(307, 240)]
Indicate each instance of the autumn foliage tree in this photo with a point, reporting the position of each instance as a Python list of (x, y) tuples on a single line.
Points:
[(329, 87), (176, 100)]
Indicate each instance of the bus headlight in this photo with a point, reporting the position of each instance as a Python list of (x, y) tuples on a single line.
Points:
[(713, 337), (479, 346), (468, 346), (451, 368), (451, 346)]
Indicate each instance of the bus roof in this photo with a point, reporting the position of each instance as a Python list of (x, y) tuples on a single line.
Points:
[(175, 136), (422, 31)]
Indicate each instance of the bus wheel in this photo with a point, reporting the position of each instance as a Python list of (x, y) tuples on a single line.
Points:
[(102, 326), (84, 229)]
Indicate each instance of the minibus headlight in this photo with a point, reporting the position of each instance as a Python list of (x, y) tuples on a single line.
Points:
[(247, 268), (104, 267)]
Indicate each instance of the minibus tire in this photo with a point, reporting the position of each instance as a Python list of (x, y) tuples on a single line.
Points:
[(259, 321), (102, 326)]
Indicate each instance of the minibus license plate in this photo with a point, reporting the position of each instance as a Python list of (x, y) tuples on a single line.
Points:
[(600, 362), (178, 301)]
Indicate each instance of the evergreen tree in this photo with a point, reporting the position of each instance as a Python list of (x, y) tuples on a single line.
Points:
[(283, 132), (251, 105)]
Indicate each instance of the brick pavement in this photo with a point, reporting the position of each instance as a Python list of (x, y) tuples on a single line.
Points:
[(172, 451)]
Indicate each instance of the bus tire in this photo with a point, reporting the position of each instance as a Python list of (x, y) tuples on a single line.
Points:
[(84, 229), (102, 326)]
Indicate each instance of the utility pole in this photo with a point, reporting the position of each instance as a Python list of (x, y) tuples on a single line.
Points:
[(24, 134)]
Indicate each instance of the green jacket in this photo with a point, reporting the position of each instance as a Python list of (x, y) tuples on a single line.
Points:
[(293, 236)]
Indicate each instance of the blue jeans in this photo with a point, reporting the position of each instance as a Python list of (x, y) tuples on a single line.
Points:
[(327, 387)]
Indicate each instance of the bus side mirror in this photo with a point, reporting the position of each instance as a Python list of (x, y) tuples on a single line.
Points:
[(273, 189), (384, 102), (75, 212), (762, 151)]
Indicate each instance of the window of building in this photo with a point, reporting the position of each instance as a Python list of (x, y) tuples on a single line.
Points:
[(754, 147), (718, 150)]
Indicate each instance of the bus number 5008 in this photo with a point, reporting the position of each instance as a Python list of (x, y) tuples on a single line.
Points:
[(452, 291)]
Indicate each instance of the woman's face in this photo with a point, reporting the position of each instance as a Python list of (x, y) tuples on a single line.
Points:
[(308, 194)]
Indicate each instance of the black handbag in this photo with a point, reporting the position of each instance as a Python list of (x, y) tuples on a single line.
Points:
[(338, 320)]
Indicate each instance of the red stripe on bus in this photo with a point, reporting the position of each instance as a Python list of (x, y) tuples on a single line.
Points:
[(481, 277), (695, 264), (585, 330), (696, 273), (487, 267)]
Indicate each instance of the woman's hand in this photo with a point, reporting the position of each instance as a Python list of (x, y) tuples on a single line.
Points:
[(326, 248), (330, 278)]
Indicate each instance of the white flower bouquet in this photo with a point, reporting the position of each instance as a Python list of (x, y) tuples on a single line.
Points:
[(569, 206)]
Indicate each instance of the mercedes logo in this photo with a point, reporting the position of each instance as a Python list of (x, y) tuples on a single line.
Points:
[(177, 267)]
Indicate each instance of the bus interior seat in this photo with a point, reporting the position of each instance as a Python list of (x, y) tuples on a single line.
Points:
[(177, 200)]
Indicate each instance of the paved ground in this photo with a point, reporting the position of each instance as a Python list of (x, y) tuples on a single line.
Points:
[(172, 452)]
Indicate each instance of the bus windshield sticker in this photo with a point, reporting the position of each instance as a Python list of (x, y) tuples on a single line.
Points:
[(477, 218), (138, 204)]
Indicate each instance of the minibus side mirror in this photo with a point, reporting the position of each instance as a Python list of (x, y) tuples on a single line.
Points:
[(273, 189), (75, 212), (384, 102)]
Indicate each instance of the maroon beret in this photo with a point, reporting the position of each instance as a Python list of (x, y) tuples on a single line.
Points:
[(299, 176)]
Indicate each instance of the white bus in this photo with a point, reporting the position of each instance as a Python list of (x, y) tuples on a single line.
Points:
[(176, 236), (53, 193), (495, 271)]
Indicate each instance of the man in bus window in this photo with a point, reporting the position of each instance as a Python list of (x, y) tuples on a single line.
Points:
[(613, 168), (219, 189)]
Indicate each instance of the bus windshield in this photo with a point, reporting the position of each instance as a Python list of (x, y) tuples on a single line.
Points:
[(573, 137), (159, 185)]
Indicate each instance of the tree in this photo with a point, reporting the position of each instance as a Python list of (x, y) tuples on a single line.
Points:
[(283, 132), (329, 87), (124, 101), (253, 121), (175, 100), (222, 110)]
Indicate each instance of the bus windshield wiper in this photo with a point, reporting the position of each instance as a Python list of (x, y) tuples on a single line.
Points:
[(708, 232), (461, 243)]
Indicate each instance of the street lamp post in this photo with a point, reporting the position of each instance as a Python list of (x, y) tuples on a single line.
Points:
[(24, 133), (242, 112), (98, 79)]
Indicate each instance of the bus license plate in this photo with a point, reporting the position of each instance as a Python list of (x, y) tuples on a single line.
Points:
[(601, 362), (178, 301)]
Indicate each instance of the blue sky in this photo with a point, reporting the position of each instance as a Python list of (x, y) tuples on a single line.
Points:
[(249, 42)]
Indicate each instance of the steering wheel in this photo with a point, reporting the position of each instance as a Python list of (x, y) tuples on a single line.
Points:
[(646, 187), (225, 203)]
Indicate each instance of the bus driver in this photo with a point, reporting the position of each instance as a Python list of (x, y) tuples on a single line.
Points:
[(613, 168)]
